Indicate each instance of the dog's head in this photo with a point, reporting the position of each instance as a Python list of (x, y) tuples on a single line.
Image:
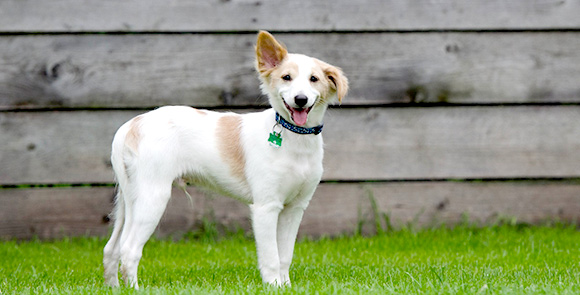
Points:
[(299, 87)]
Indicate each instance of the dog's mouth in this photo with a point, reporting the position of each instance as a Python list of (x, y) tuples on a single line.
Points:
[(299, 115)]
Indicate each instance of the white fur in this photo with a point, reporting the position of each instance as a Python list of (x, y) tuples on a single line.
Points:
[(177, 141)]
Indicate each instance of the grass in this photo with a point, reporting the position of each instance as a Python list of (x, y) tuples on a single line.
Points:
[(503, 259)]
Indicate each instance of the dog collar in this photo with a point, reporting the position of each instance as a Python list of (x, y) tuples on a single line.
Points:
[(297, 129)]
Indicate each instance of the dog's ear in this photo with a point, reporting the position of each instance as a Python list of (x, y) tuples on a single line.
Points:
[(269, 52), (338, 81)]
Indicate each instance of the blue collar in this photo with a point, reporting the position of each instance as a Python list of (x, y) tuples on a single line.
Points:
[(297, 129)]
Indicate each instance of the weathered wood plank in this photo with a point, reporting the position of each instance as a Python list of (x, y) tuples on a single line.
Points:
[(341, 208), (125, 71), (50, 213), (94, 71), (457, 142), (361, 144), (57, 212), (335, 209), (244, 15)]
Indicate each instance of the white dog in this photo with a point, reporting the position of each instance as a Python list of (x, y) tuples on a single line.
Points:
[(271, 160)]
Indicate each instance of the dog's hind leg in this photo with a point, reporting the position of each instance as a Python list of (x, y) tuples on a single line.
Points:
[(146, 209), (111, 253)]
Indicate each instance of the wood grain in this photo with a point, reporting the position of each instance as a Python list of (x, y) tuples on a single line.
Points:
[(244, 15), (137, 71), (360, 144), (49, 213), (69, 70), (452, 142), (342, 208), (336, 209)]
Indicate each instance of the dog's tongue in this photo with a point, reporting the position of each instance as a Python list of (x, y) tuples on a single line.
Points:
[(300, 116)]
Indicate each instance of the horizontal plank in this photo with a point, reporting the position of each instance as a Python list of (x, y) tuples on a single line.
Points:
[(360, 144), (244, 15), (335, 209), (96, 71), (457, 142), (53, 213), (342, 208), (60, 212)]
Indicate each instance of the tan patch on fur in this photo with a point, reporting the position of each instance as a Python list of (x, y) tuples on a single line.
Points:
[(228, 136), (285, 68), (133, 137), (336, 80), (200, 112)]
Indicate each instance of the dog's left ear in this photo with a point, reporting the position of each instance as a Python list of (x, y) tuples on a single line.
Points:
[(269, 52), (338, 81)]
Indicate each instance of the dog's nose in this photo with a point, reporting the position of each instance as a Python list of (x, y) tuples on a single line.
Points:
[(301, 100)]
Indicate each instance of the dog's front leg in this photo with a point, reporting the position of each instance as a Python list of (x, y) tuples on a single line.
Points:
[(264, 222), (288, 224)]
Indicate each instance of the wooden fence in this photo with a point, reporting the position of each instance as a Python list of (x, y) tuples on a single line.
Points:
[(458, 109)]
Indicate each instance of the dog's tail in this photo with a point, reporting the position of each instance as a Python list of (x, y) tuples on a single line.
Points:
[(121, 160)]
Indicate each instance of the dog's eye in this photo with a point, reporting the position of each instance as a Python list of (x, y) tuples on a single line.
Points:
[(313, 79), (287, 78)]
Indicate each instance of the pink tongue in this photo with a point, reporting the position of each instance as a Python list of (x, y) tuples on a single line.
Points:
[(300, 116)]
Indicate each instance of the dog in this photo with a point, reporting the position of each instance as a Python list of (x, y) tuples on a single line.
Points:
[(271, 160)]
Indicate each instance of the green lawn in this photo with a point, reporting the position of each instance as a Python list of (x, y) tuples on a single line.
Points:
[(464, 260)]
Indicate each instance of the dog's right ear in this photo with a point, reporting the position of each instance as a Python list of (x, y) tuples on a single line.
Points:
[(269, 52)]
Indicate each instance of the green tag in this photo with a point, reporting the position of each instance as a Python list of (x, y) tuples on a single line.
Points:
[(275, 139)]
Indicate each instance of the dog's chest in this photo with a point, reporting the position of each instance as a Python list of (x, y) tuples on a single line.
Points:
[(301, 166), (297, 168)]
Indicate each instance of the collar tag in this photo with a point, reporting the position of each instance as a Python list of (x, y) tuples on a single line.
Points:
[(275, 139)]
